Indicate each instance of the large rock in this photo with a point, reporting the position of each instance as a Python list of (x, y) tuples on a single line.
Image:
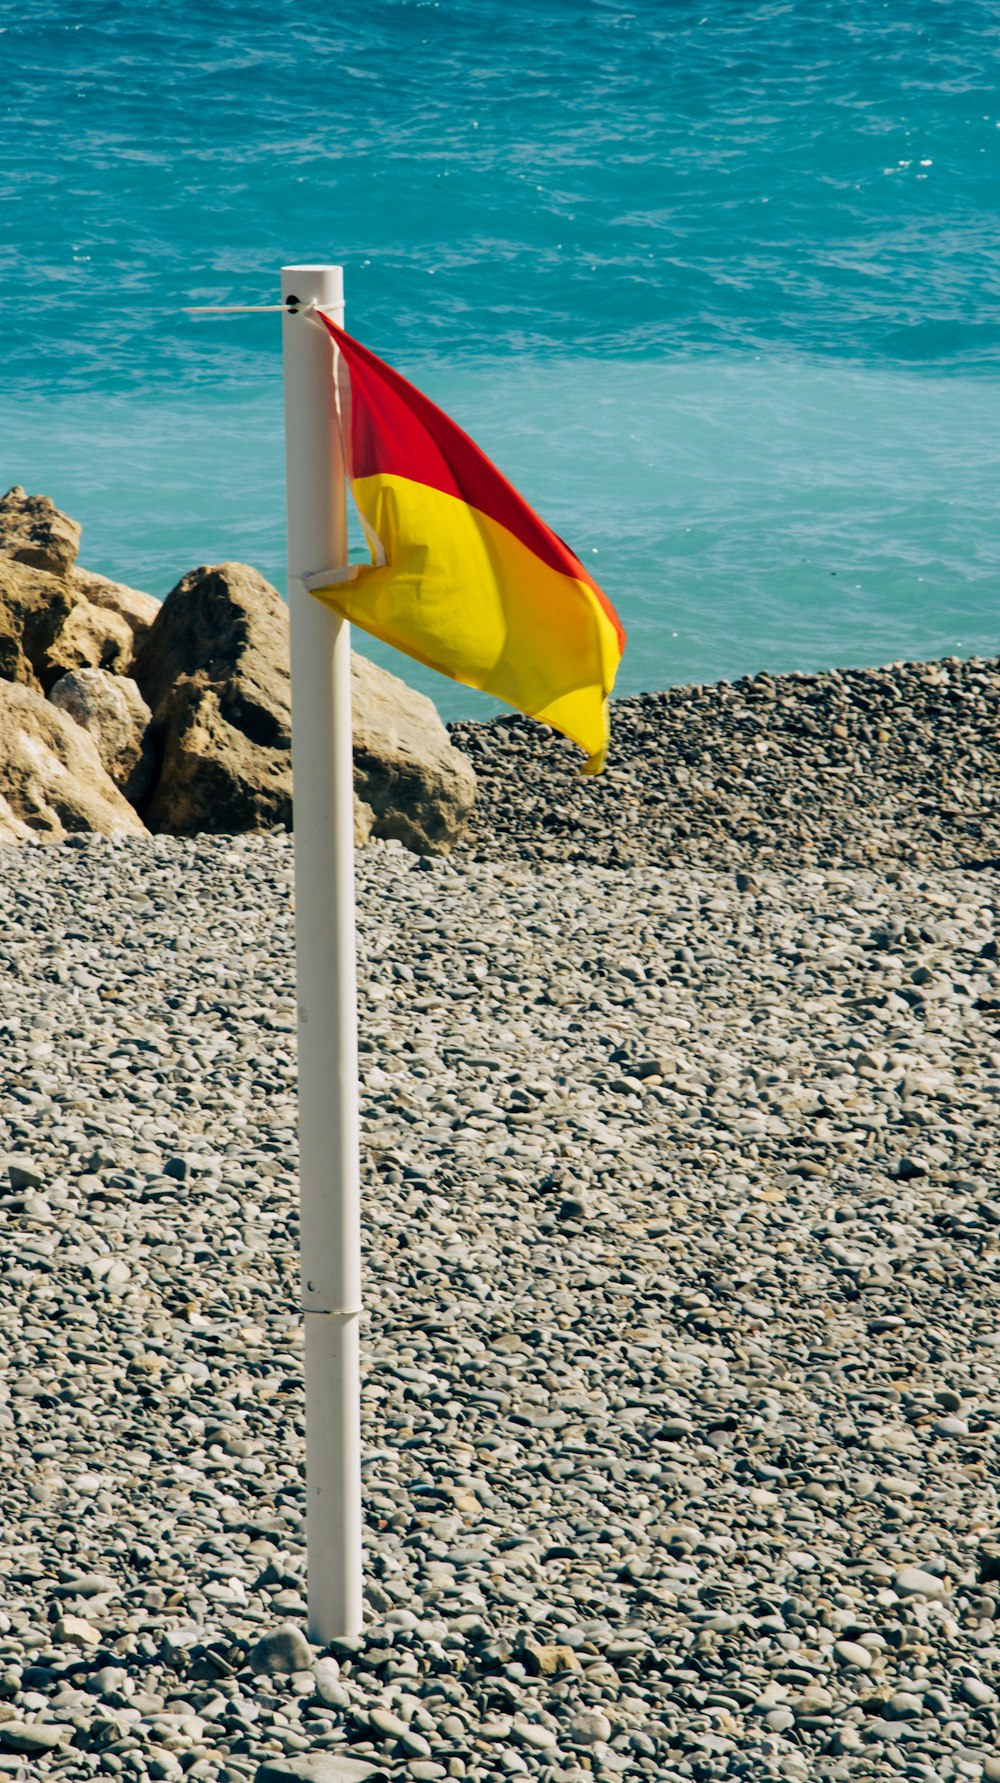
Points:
[(113, 711), (226, 628), (419, 789), (51, 775), (33, 531), (34, 607), (137, 609), (72, 618), (214, 671), (212, 775), (90, 638)]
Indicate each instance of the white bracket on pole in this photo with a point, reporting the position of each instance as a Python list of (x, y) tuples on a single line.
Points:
[(329, 1138)]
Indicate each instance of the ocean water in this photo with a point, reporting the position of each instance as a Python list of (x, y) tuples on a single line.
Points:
[(716, 285)]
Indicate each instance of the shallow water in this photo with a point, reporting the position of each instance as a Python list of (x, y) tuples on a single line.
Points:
[(716, 287)]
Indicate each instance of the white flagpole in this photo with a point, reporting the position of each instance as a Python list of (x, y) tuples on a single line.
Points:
[(325, 963)]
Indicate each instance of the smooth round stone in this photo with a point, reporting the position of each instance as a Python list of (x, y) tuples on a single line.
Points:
[(589, 1727), (326, 1676), (284, 1650), (163, 1765), (852, 1653), (814, 1700), (335, 1695), (779, 1720), (531, 1733), (974, 1690), (388, 1724), (903, 1706), (33, 1737), (315, 1767), (914, 1581), (109, 1679)]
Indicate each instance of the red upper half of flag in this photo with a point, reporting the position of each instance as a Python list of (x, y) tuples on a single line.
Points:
[(397, 431)]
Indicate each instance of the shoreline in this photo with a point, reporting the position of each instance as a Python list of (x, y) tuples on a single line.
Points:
[(847, 768), (881, 767)]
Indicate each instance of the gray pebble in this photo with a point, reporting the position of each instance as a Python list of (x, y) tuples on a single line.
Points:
[(588, 1728), (319, 1767), (915, 1581), (285, 1649)]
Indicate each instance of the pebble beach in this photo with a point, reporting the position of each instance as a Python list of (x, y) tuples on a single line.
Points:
[(681, 1217)]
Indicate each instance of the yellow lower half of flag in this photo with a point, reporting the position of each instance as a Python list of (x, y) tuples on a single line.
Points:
[(463, 595)]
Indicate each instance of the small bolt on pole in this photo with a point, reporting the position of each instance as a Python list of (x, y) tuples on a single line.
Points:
[(329, 1128)]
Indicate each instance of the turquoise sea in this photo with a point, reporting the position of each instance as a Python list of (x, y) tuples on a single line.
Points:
[(716, 285)]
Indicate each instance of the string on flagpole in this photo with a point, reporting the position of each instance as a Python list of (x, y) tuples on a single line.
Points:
[(233, 309), (291, 307)]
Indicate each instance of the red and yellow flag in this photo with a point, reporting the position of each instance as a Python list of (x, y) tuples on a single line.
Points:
[(464, 576)]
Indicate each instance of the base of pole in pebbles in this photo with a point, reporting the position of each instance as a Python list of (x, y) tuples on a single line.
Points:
[(682, 1204)]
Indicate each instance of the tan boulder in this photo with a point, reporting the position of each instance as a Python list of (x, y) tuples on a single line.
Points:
[(214, 671), (72, 618), (51, 774), (12, 830), (33, 531), (89, 638), (213, 777), (419, 788), (229, 628), (34, 607), (113, 711), (137, 609)]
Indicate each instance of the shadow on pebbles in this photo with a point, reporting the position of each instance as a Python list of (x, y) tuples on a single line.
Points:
[(681, 1342)]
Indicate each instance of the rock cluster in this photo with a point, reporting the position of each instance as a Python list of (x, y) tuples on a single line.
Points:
[(858, 768), (187, 705), (682, 1341)]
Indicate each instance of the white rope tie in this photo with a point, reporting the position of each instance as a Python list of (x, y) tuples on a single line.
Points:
[(288, 308)]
